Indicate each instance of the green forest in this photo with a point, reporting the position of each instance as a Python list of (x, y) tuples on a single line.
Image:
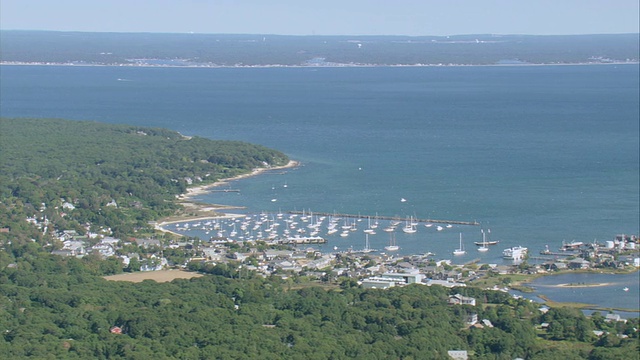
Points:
[(138, 171)]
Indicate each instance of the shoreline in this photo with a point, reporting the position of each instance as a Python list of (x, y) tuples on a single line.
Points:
[(264, 66), (186, 199), (203, 189)]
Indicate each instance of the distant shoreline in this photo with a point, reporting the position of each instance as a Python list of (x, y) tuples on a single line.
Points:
[(205, 66)]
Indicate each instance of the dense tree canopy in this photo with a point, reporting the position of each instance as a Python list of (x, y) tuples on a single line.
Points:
[(115, 176)]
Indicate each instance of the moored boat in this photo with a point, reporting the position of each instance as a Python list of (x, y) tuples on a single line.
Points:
[(392, 244), (460, 250), (515, 253)]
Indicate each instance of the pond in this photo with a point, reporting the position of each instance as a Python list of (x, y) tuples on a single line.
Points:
[(614, 291)]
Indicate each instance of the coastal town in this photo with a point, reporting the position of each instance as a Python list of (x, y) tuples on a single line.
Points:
[(297, 255)]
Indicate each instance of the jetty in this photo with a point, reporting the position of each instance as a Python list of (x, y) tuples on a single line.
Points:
[(391, 218)]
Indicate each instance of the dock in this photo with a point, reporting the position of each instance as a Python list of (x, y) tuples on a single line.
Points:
[(304, 240), (390, 218)]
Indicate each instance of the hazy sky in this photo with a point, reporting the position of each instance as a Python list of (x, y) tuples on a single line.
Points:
[(326, 17)]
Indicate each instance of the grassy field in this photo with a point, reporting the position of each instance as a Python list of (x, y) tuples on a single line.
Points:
[(158, 276)]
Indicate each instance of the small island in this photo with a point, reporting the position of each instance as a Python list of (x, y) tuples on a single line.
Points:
[(583, 285)]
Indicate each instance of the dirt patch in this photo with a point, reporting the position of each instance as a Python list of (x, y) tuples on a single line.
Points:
[(158, 276)]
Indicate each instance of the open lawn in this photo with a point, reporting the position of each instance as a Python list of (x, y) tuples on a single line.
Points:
[(158, 276)]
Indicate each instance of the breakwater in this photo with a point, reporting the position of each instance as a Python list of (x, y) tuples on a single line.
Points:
[(391, 218)]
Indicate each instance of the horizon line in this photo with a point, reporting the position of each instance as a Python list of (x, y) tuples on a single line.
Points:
[(310, 35)]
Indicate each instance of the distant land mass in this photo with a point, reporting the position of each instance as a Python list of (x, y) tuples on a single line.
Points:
[(227, 50)]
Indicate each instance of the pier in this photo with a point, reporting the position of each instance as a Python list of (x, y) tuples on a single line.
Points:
[(304, 240), (391, 218)]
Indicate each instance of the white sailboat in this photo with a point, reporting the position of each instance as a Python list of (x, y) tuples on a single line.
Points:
[(460, 250), (392, 244), (409, 228), (366, 249), (483, 247)]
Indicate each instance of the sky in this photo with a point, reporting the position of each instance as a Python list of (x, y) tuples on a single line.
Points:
[(326, 17)]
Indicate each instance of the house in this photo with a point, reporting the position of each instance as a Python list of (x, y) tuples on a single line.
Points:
[(446, 283), (407, 278), (614, 317), (579, 264), (405, 265), (68, 206), (110, 241), (213, 254), (272, 254), (150, 267), (77, 246), (430, 269), (471, 319), (320, 263), (558, 266), (115, 330), (458, 354), (286, 265), (64, 252), (238, 256), (146, 243), (103, 250), (458, 299)]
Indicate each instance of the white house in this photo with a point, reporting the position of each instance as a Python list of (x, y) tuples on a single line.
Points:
[(458, 299)]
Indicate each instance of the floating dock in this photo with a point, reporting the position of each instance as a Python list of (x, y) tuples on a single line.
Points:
[(391, 218)]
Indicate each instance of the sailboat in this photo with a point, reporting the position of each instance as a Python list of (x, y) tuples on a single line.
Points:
[(366, 249), (392, 244), (483, 247), (409, 228), (484, 242), (460, 250)]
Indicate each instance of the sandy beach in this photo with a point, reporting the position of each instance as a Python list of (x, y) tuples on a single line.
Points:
[(201, 211), (199, 190), (583, 285)]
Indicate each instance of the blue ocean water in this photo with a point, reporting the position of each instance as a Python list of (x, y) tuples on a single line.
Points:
[(618, 291), (537, 154)]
